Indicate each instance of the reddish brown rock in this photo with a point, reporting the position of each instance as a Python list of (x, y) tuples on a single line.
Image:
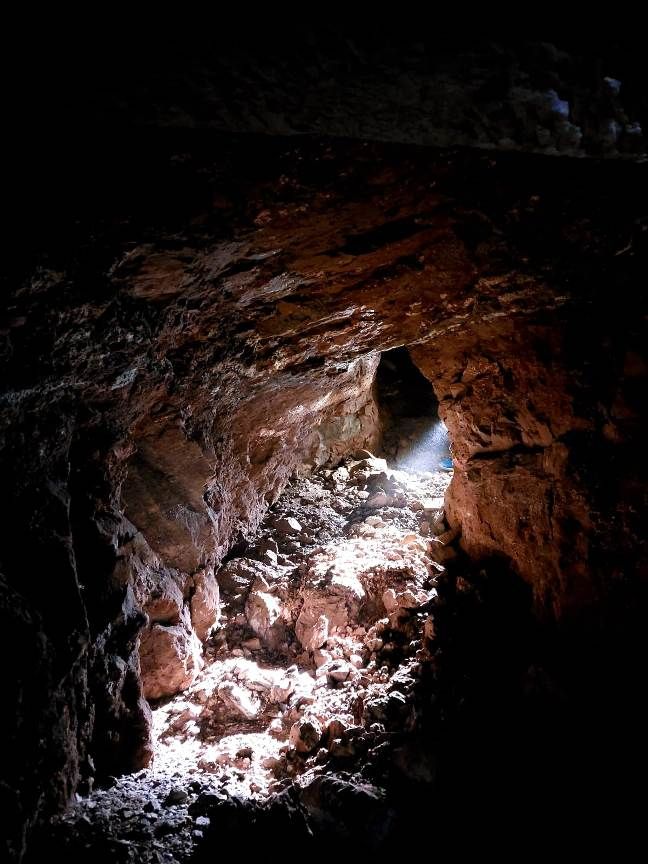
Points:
[(165, 602), (263, 611), (165, 374), (521, 435), (305, 735), (204, 603), (170, 658)]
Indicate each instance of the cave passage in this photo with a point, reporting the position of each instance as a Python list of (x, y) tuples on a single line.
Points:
[(326, 455), (317, 606), (414, 436), (314, 661)]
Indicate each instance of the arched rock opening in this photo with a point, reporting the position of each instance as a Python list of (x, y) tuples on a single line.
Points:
[(413, 435), (189, 368)]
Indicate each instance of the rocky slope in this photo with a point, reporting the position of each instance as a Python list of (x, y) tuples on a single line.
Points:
[(311, 674)]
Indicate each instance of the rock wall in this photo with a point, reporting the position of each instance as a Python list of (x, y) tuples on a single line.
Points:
[(543, 419), (209, 319)]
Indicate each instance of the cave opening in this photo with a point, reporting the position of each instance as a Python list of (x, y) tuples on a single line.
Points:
[(414, 438), (338, 590), (328, 597)]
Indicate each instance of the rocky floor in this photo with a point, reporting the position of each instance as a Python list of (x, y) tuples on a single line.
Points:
[(309, 680)]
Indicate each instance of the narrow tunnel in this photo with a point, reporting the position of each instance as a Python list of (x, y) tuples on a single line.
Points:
[(414, 438), (325, 601), (326, 457)]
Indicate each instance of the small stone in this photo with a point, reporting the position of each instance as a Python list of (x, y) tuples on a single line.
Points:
[(409, 539), (287, 525), (262, 610), (374, 521), (205, 603), (244, 753), (238, 700), (281, 691), (389, 601), (175, 796), (322, 657), (341, 474), (407, 599), (335, 729), (252, 644), (339, 671), (379, 499), (305, 735), (355, 660), (269, 557), (316, 635), (275, 728)]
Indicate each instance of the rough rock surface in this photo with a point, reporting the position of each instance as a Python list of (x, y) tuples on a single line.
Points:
[(259, 719), (358, 749), (189, 333), (205, 605), (535, 461), (170, 658)]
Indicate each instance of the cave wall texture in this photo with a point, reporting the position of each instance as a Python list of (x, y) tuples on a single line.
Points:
[(192, 315)]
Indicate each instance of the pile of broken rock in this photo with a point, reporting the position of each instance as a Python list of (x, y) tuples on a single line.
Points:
[(306, 683), (326, 619)]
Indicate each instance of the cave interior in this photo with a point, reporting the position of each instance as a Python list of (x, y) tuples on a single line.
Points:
[(323, 429)]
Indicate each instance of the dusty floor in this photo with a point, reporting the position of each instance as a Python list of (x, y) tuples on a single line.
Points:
[(326, 622)]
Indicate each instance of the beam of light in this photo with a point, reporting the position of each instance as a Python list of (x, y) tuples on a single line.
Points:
[(429, 451)]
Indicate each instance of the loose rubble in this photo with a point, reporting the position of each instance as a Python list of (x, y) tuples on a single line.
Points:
[(326, 620)]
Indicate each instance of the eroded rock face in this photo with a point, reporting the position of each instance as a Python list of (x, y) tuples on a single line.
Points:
[(166, 372), (205, 603), (535, 458)]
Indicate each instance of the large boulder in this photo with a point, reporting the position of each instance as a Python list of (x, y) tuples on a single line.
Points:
[(170, 659)]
